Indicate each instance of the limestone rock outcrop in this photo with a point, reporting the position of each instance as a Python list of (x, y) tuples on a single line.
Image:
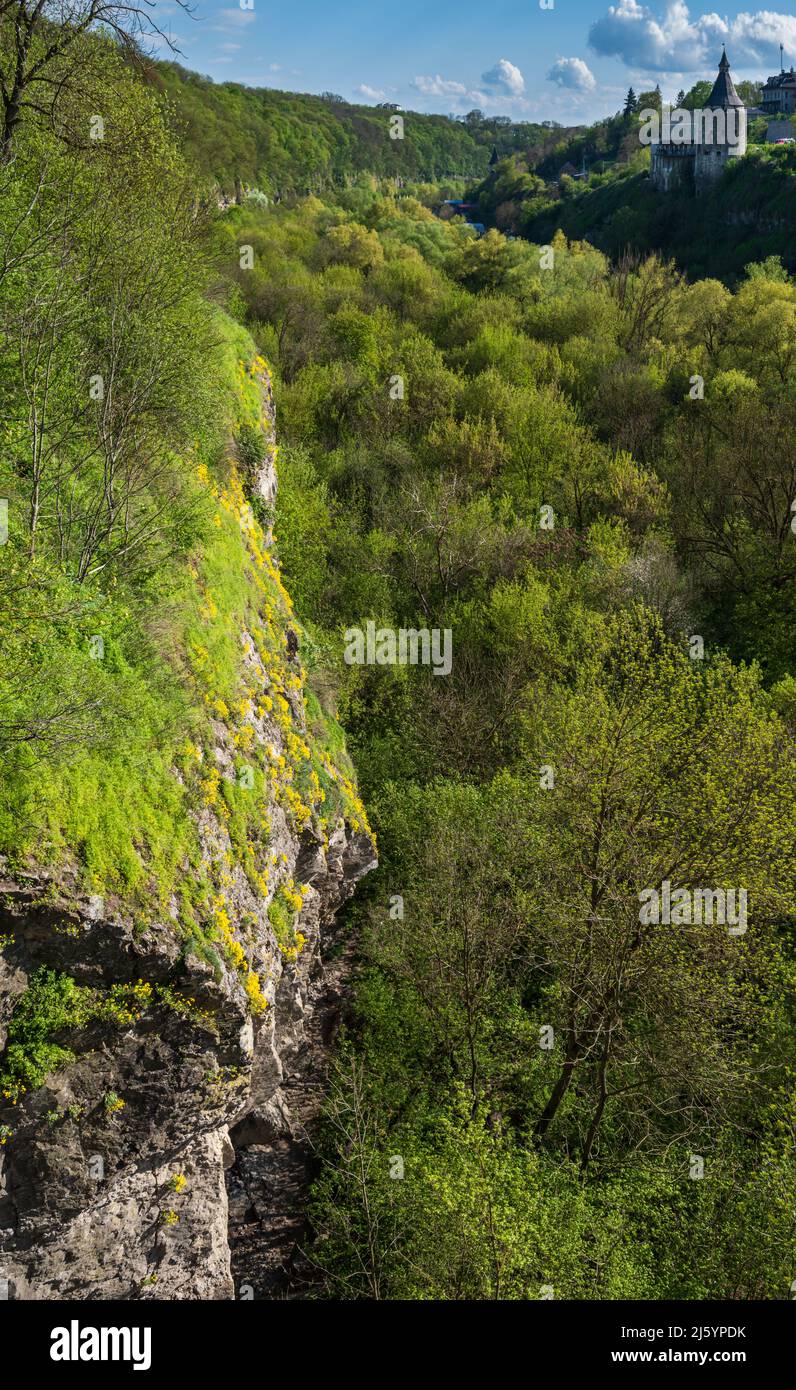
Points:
[(113, 1171)]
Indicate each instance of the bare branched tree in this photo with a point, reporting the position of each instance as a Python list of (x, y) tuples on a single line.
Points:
[(39, 38)]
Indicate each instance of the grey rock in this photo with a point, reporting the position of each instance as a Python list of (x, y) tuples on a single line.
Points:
[(100, 1200)]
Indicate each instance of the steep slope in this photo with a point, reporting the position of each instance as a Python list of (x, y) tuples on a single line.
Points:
[(140, 1027), (747, 216)]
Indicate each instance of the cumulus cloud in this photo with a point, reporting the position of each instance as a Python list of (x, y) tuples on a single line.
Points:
[(504, 77), (572, 73), (758, 37), (372, 93), (676, 42), (439, 86), (458, 95)]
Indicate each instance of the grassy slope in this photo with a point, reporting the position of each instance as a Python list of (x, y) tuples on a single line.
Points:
[(120, 810)]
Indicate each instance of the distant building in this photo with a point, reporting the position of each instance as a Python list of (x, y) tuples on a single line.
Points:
[(456, 207), (719, 135), (571, 172), (778, 97)]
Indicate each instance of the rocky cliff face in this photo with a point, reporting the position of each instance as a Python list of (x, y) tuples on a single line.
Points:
[(176, 1073)]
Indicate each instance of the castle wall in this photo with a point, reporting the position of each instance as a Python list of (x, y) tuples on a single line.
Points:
[(671, 169), (702, 163), (710, 161)]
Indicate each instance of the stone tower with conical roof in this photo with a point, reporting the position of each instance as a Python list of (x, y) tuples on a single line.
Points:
[(722, 136)]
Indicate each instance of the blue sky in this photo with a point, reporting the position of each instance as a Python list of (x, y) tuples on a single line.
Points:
[(572, 62)]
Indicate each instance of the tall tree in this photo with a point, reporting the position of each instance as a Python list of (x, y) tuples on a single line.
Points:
[(666, 774), (36, 36)]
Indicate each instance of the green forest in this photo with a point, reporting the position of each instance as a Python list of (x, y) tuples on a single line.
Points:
[(292, 143), (578, 459), (505, 905)]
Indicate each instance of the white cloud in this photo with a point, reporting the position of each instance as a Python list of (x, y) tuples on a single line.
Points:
[(573, 74), (372, 93), (505, 77), (232, 19), (458, 95), (676, 42), (438, 86), (274, 67), (758, 37), (230, 47)]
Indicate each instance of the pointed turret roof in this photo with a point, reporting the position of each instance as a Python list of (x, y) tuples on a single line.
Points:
[(724, 93)]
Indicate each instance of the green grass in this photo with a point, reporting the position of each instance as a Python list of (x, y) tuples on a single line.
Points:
[(53, 1004), (118, 799)]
